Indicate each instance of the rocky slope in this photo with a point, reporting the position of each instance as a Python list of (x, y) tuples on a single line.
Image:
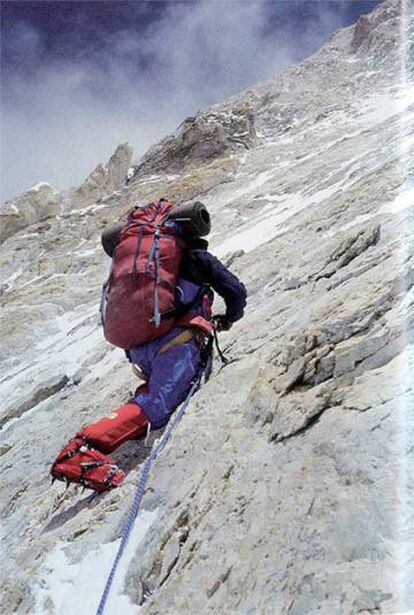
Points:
[(288, 486)]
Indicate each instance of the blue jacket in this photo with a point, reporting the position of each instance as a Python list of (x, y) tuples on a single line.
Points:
[(201, 268)]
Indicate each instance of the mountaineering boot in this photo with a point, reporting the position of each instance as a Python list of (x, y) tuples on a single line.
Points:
[(125, 423), (77, 462)]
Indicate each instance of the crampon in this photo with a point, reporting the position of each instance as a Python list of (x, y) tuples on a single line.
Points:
[(79, 463)]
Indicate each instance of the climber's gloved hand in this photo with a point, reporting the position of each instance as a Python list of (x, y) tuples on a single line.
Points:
[(222, 323)]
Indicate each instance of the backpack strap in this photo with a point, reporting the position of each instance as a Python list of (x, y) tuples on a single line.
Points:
[(186, 307)]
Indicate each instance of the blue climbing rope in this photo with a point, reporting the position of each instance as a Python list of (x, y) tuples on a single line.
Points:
[(126, 530)]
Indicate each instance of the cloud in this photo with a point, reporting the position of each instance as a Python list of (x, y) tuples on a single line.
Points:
[(23, 40), (71, 109)]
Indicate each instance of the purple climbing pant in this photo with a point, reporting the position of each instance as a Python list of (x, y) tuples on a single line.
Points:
[(170, 375)]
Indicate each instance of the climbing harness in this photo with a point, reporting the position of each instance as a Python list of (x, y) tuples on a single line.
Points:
[(181, 338)]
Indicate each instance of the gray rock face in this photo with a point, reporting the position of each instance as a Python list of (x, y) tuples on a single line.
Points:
[(288, 486), (199, 139), (47, 389), (371, 32), (104, 179), (34, 206)]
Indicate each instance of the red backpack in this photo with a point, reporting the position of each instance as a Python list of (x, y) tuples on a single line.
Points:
[(140, 290)]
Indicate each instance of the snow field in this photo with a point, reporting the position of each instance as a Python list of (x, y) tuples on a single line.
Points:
[(75, 588)]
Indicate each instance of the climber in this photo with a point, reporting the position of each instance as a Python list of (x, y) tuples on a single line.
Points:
[(170, 359)]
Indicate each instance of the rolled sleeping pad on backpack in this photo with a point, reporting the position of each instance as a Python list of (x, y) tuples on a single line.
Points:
[(193, 218), (110, 237)]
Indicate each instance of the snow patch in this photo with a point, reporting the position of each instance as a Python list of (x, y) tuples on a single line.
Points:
[(77, 339), (403, 201), (9, 281), (85, 253), (76, 588), (39, 186), (270, 226), (407, 302), (383, 108), (155, 178), (345, 227), (90, 209)]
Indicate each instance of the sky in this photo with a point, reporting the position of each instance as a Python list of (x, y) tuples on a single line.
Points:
[(80, 77)]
